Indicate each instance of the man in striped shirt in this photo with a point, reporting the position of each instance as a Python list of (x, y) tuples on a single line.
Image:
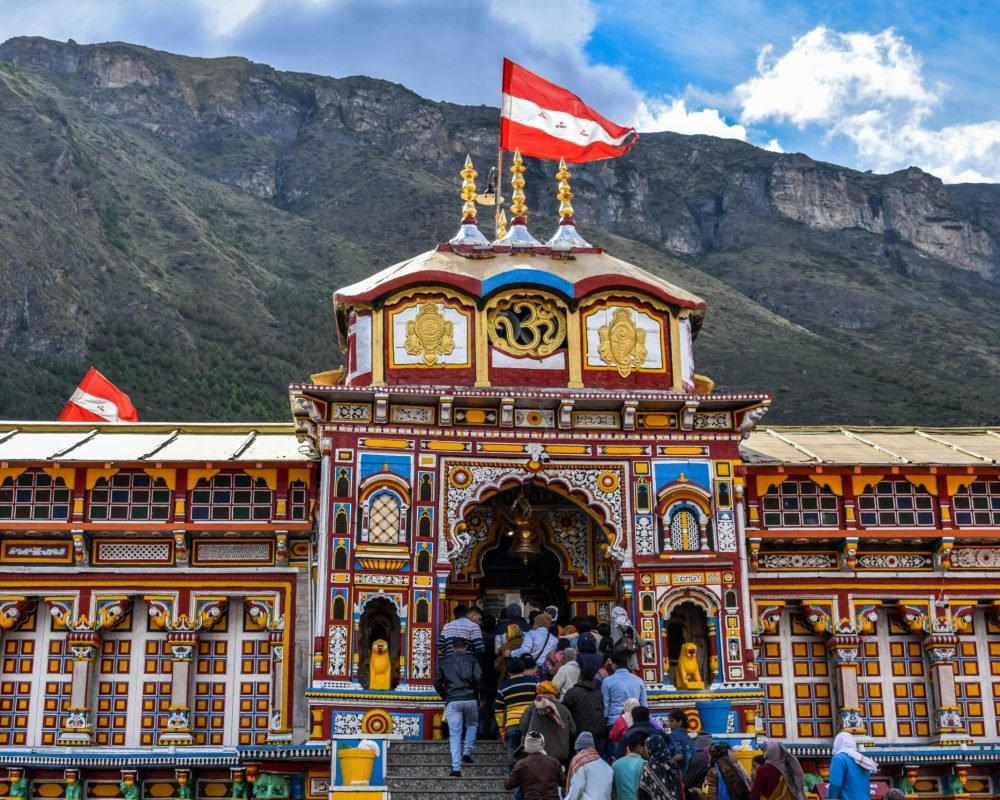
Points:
[(514, 695), (466, 627)]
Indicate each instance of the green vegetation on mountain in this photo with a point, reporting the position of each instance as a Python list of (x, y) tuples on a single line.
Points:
[(181, 224)]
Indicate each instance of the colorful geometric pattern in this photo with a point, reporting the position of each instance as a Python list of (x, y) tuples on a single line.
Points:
[(870, 690), (969, 687), (771, 666), (909, 687), (111, 709), (813, 691), (57, 690), (156, 685), (208, 721)]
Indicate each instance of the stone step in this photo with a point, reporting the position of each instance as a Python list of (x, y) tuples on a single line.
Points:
[(410, 746), (440, 769), (451, 794), (435, 785)]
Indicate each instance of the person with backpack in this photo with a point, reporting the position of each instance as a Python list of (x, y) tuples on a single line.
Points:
[(624, 638), (538, 642)]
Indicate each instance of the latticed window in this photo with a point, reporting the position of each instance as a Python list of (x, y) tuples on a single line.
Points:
[(34, 495), (896, 503), (684, 533), (298, 501), (979, 504), (235, 497), (129, 496), (800, 503), (383, 519)]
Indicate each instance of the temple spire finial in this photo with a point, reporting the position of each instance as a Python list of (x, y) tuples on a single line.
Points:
[(517, 206), (469, 233), (469, 176), (502, 224), (518, 235), (566, 237)]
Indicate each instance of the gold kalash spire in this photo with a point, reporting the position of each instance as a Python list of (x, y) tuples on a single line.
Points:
[(518, 235), (469, 234), (566, 237)]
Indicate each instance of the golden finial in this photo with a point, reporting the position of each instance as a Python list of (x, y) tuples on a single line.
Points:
[(517, 206), (564, 195), (469, 189), (502, 224)]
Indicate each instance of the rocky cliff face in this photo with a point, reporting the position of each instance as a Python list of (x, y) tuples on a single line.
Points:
[(210, 198)]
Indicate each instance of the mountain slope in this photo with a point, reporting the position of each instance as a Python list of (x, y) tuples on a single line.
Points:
[(181, 223)]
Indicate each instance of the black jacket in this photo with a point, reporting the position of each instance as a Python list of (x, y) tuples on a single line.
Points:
[(587, 707), (459, 677)]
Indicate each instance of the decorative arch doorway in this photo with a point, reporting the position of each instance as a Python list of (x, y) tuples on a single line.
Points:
[(536, 546)]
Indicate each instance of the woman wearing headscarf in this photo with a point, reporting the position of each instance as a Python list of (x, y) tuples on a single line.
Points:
[(850, 770), (624, 722), (779, 777), (621, 629), (660, 778), (726, 778)]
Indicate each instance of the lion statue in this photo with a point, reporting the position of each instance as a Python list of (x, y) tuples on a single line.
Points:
[(688, 674), (380, 666)]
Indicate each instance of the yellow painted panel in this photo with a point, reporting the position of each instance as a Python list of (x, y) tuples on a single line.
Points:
[(160, 789), (657, 420), (503, 448), (303, 474), (389, 444), (213, 790), (924, 481), (270, 477), (450, 447), (475, 416), (168, 476), (567, 449), (48, 789), (625, 450), (835, 483), (94, 474), (66, 474), (682, 451), (103, 789), (767, 482)]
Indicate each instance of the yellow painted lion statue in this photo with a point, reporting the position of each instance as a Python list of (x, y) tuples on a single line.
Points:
[(688, 674), (380, 666)]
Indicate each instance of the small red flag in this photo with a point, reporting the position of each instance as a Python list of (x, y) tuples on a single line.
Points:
[(546, 121), (98, 400)]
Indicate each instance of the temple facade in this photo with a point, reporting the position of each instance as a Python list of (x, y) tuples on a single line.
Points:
[(204, 607)]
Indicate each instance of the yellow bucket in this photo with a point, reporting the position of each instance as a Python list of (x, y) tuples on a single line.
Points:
[(356, 765), (746, 757)]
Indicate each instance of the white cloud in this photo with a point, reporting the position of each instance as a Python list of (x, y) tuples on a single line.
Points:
[(869, 89), (673, 115), (826, 72), (774, 146)]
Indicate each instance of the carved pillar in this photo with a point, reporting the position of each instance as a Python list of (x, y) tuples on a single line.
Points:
[(78, 725), (183, 645), (278, 729), (948, 725), (846, 650)]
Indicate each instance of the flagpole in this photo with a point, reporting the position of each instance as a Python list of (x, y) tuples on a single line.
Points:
[(498, 207)]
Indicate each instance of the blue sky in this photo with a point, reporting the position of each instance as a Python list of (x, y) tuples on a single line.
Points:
[(870, 85)]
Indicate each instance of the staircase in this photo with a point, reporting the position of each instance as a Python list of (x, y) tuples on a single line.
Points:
[(420, 771)]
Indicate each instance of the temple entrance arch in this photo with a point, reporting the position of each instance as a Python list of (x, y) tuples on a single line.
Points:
[(537, 545)]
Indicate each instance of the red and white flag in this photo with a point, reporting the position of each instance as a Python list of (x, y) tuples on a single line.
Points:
[(546, 121), (98, 400)]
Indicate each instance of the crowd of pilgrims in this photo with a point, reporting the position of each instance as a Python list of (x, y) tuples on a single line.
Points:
[(568, 704)]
